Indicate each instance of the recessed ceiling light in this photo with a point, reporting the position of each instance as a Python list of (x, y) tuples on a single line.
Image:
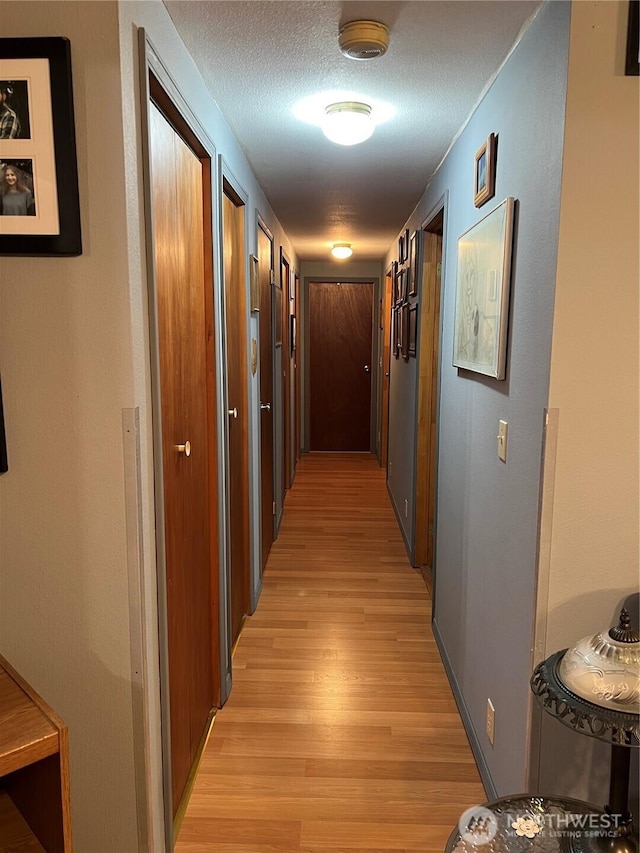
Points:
[(342, 250), (348, 122)]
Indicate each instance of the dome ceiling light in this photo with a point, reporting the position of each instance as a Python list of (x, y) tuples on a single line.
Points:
[(348, 122), (364, 39), (342, 250)]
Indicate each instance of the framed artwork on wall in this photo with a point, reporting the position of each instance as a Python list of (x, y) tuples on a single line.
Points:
[(404, 334), (413, 329), (396, 343), (292, 334), (415, 262), (482, 293), (485, 171), (39, 204)]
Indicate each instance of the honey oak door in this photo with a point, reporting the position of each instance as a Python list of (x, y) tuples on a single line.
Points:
[(267, 404), (340, 370), (181, 217), (233, 225)]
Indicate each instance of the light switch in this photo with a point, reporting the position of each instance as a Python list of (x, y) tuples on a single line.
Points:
[(503, 427)]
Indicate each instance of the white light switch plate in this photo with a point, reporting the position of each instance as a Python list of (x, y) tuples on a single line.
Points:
[(503, 428)]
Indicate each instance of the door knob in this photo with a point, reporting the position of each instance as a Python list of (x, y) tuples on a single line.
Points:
[(265, 407), (233, 413), (184, 448), (366, 368)]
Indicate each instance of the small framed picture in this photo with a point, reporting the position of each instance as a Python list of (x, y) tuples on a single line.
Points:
[(404, 331), (406, 246), (292, 333), (254, 283), (398, 289), (485, 171), (39, 204), (413, 329), (396, 343), (415, 262), (401, 249)]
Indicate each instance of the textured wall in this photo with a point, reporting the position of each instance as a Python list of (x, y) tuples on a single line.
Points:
[(487, 510)]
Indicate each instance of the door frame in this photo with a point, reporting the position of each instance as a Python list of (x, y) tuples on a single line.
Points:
[(261, 225), (305, 395), (228, 181), (156, 694), (437, 214)]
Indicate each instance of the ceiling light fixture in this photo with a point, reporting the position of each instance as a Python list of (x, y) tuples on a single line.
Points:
[(348, 122), (342, 250)]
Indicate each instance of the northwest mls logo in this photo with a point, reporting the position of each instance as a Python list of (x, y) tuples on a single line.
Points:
[(478, 825)]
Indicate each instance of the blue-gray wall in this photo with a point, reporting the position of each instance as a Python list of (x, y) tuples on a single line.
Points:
[(487, 511)]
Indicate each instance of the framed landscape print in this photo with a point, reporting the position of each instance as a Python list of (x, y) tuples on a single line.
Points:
[(482, 293), (39, 205), (485, 172)]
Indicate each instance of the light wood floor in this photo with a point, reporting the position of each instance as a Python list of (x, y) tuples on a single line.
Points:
[(341, 733)]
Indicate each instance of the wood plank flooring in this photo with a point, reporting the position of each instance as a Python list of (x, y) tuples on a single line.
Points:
[(341, 732)]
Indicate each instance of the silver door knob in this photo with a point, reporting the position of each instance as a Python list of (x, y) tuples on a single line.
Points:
[(184, 448), (233, 413), (366, 368), (265, 407)]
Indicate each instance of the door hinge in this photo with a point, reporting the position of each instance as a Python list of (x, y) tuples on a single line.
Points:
[(272, 277), (273, 507)]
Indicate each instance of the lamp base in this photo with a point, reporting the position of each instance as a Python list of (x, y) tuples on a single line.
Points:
[(621, 839)]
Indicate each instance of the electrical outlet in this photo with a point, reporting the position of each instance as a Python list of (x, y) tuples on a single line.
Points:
[(406, 508), (491, 721)]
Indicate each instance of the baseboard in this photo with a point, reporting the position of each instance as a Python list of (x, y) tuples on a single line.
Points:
[(483, 769), (407, 545)]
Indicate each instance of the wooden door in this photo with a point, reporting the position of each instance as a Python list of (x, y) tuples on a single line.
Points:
[(340, 348), (236, 347), (285, 278), (386, 370), (184, 308), (296, 373), (428, 353), (267, 398)]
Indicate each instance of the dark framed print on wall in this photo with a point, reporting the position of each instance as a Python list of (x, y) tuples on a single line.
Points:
[(39, 204)]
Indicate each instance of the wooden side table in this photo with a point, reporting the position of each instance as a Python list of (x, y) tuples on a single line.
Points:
[(35, 813)]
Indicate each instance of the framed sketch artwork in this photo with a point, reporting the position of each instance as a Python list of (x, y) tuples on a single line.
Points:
[(39, 206), (482, 293)]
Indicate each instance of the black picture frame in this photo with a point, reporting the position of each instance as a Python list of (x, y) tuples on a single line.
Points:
[(632, 62), (413, 330), (404, 331), (395, 324), (415, 263), (47, 158)]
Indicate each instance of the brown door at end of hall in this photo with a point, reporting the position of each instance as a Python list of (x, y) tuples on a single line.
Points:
[(340, 369), (185, 323), (233, 224), (265, 271)]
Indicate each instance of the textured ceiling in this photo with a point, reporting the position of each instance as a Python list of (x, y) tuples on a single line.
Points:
[(261, 58)]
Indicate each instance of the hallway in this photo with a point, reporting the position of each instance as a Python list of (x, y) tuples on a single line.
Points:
[(341, 732)]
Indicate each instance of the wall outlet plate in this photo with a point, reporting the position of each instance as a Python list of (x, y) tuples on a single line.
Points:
[(503, 428)]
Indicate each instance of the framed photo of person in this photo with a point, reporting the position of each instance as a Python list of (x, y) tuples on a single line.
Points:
[(39, 204)]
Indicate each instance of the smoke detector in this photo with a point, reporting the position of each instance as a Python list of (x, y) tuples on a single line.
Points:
[(364, 39)]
